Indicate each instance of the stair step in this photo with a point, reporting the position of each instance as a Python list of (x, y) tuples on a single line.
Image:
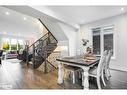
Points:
[(42, 48), (38, 60), (52, 44), (38, 57), (48, 47)]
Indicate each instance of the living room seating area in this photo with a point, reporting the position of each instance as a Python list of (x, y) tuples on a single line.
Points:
[(11, 54)]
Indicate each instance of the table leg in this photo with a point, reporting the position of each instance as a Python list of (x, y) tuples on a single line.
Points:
[(60, 73), (86, 77)]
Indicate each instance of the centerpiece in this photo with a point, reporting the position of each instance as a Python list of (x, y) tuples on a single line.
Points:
[(88, 51)]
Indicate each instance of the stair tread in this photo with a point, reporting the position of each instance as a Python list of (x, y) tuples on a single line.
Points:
[(38, 59)]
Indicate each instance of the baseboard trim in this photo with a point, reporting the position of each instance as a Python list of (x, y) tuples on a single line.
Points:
[(117, 70)]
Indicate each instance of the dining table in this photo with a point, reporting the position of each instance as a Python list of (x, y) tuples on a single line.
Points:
[(85, 63)]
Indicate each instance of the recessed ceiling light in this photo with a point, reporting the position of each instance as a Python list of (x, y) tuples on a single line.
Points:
[(7, 13), (24, 18), (122, 9)]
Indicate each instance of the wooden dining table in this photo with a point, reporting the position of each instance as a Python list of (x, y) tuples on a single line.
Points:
[(78, 61)]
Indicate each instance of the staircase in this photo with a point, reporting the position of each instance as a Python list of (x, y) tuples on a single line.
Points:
[(41, 49)]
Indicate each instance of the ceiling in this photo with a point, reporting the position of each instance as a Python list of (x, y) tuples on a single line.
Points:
[(71, 15), (81, 14), (17, 24)]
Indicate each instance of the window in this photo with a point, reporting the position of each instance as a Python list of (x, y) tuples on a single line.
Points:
[(20, 44), (108, 38), (12, 44), (5, 44), (96, 41), (103, 39)]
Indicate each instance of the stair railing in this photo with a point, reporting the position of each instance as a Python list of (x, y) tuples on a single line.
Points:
[(39, 46)]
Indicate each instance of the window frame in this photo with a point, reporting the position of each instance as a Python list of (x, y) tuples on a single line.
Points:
[(10, 43), (5, 40), (98, 28), (102, 33), (18, 40), (13, 44)]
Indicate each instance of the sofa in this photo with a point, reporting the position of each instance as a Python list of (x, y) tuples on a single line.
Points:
[(22, 55), (11, 54)]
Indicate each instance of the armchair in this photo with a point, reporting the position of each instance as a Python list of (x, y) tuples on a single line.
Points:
[(22, 55)]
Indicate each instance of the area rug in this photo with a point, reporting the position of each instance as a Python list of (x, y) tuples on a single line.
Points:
[(14, 60)]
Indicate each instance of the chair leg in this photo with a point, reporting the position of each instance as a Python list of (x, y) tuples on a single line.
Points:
[(106, 74), (102, 77), (98, 82), (64, 76), (79, 74), (109, 74), (82, 79), (73, 73)]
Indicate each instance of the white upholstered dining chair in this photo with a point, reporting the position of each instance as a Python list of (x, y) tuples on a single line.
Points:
[(70, 70), (106, 68), (98, 72)]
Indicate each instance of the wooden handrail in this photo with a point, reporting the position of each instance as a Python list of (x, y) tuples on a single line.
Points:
[(38, 40)]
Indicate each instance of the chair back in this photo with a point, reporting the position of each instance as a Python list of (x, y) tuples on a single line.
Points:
[(1, 53), (108, 58), (102, 63)]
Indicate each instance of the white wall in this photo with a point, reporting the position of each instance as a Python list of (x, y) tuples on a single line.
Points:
[(55, 29), (49, 21), (71, 35), (26, 31), (15, 31), (120, 36)]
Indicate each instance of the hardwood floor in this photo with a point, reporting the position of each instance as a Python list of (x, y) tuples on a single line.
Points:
[(15, 75)]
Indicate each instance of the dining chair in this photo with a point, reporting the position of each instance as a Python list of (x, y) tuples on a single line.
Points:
[(106, 68), (72, 70), (98, 72)]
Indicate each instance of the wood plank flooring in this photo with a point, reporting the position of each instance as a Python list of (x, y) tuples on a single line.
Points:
[(15, 75)]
